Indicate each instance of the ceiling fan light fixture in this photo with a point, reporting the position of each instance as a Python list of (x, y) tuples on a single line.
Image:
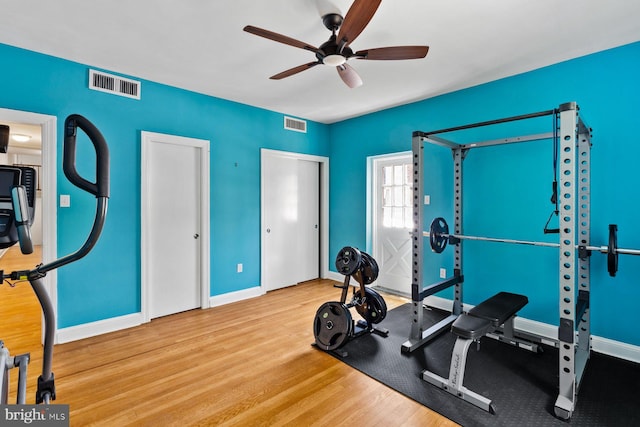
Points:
[(334, 60)]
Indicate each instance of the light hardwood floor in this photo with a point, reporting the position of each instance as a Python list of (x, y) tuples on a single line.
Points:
[(20, 317), (247, 364)]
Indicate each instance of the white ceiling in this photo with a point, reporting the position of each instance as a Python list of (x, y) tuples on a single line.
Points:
[(199, 45), (32, 131)]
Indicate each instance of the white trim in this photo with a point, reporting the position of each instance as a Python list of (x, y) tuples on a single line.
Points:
[(92, 329), (147, 138), (617, 349), (49, 190), (373, 163), (324, 205), (231, 297)]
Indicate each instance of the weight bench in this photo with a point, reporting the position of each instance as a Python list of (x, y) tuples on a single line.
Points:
[(484, 319)]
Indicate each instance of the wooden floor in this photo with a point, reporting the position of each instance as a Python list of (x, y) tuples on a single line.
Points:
[(21, 317), (246, 364)]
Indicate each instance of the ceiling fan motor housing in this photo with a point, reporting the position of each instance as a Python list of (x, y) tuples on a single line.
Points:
[(332, 21)]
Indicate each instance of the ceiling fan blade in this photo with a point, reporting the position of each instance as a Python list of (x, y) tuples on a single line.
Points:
[(357, 18), (279, 38), (294, 70), (349, 76), (396, 52)]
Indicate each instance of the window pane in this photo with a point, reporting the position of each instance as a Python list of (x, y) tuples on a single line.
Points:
[(398, 217), (408, 220), (408, 194), (398, 178), (408, 172), (398, 197), (387, 175), (386, 217), (387, 196)]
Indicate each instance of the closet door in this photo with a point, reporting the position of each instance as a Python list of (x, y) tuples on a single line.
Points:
[(290, 220), (308, 220)]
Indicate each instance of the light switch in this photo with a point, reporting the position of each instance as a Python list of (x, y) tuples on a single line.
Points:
[(65, 200)]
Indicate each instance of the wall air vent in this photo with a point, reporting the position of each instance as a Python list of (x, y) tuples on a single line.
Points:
[(114, 84), (296, 125)]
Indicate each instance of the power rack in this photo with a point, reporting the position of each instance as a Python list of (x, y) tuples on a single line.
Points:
[(574, 331)]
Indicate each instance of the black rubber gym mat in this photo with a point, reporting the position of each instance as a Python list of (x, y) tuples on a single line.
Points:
[(522, 385)]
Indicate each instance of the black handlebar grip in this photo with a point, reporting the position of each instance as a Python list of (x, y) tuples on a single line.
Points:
[(101, 187)]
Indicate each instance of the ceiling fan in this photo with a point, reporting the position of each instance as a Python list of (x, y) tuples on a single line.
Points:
[(336, 51)]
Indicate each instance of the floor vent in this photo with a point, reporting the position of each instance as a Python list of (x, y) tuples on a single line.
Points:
[(296, 125), (114, 84)]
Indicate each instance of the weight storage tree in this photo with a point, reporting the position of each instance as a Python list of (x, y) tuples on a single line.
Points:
[(573, 194)]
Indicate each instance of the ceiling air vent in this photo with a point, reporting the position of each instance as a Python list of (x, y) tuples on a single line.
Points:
[(296, 125), (114, 84)]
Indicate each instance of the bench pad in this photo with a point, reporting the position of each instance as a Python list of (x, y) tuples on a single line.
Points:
[(470, 327), (499, 308)]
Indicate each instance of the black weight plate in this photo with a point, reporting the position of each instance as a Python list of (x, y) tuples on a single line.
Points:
[(348, 260), (436, 239), (368, 268), (612, 250), (333, 325), (374, 308)]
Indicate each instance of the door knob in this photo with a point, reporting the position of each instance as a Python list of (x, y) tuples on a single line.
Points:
[(195, 236), (268, 230)]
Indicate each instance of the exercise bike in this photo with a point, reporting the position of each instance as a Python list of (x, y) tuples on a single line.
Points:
[(333, 324), (17, 206)]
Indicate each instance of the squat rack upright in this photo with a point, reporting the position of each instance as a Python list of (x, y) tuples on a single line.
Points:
[(574, 143)]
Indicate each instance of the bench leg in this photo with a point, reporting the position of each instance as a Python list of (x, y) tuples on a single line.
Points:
[(454, 384)]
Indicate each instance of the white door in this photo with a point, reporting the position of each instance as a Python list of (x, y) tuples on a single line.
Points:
[(309, 217), (172, 223), (280, 214), (393, 222), (290, 220)]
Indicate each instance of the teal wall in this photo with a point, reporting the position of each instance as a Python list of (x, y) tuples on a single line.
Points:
[(507, 188), (506, 191), (107, 282)]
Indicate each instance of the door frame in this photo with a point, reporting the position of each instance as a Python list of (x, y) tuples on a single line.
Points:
[(49, 192), (146, 139), (373, 193), (265, 153)]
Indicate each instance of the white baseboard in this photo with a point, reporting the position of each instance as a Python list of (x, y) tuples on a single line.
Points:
[(617, 349), (598, 344), (332, 275), (602, 345), (236, 296), (87, 330), (92, 329)]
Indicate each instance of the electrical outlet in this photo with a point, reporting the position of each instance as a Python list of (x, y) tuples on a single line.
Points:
[(427, 199), (239, 268), (443, 273)]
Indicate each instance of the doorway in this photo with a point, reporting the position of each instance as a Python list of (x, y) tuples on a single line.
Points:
[(392, 220), (175, 224), (294, 236), (47, 183)]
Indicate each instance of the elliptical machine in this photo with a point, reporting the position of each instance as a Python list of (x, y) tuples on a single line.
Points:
[(15, 219), (333, 325)]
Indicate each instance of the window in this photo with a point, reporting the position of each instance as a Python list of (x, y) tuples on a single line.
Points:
[(397, 190)]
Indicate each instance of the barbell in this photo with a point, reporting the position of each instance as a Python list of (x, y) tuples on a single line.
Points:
[(439, 236)]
